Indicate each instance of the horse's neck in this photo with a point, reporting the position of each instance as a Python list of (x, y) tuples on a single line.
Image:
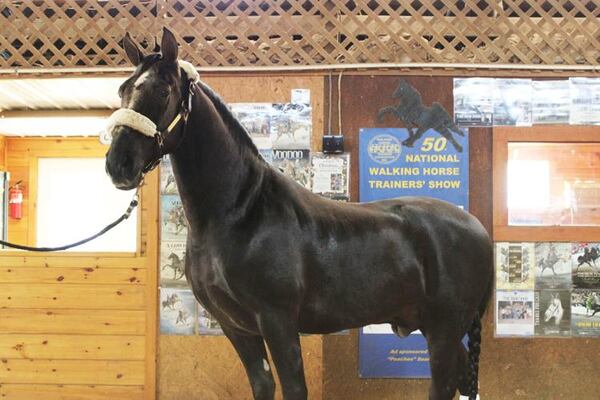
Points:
[(211, 167)]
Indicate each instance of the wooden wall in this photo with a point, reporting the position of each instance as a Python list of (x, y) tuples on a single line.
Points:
[(527, 369), (207, 368), (2, 153), (76, 325)]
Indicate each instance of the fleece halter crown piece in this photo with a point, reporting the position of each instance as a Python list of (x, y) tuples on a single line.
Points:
[(139, 122)]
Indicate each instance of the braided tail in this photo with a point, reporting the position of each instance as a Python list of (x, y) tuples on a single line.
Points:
[(474, 350)]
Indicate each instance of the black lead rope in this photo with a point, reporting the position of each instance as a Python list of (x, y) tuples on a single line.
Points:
[(133, 204)]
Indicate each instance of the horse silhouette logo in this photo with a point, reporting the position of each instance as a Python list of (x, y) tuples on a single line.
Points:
[(419, 118)]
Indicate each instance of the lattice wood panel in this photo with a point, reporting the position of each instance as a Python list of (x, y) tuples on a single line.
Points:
[(72, 33)]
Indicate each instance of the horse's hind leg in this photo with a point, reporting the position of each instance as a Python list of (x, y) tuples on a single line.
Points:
[(446, 363), (252, 352)]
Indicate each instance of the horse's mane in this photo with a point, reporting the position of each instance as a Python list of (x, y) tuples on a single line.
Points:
[(240, 134)]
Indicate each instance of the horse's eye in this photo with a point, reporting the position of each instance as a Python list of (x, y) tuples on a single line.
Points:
[(163, 92)]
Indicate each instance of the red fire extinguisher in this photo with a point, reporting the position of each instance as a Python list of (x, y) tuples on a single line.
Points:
[(15, 201)]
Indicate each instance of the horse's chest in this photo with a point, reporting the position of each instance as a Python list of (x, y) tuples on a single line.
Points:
[(208, 277)]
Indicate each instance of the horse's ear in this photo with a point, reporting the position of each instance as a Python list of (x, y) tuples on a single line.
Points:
[(168, 46), (132, 50)]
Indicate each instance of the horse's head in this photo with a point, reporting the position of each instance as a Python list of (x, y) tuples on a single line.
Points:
[(404, 90), (151, 99)]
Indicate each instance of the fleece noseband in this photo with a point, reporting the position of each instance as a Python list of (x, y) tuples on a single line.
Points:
[(145, 126)]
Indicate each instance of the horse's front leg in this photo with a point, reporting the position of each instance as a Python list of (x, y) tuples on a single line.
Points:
[(252, 352), (280, 331)]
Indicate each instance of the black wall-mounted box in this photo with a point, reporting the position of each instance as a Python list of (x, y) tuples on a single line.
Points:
[(333, 144)]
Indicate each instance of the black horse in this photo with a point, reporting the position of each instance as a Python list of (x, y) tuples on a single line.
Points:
[(269, 259)]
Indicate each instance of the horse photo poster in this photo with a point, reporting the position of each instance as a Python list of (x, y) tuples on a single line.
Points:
[(387, 168), (565, 289)]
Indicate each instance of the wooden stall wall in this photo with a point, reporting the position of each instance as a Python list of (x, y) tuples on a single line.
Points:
[(2, 153), (528, 369), (205, 367), (76, 325)]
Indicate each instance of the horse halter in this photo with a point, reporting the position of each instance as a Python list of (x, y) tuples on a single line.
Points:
[(145, 126)]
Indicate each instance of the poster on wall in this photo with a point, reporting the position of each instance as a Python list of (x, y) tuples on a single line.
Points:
[(177, 311), (172, 218), (551, 102), (514, 313), (172, 264), (473, 101), (172, 240), (515, 266), (331, 175), (291, 126), (585, 265), (207, 324), (512, 102), (294, 163), (256, 118), (552, 265), (552, 313), (585, 312), (432, 168), (167, 179), (585, 101), (389, 169)]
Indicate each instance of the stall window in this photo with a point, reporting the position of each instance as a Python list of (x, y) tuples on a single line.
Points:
[(75, 199), (547, 183)]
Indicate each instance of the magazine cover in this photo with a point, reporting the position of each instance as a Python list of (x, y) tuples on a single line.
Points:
[(295, 164), (177, 311), (552, 265), (551, 102), (514, 265), (172, 264), (207, 325), (173, 224), (585, 265), (512, 102), (291, 126), (167, 179), (330, 174), (585, 312), (553, 312), (256, 118), (514, 313), (473, 101), (585, 101)]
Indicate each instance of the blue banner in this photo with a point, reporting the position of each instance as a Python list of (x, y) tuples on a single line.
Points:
[(387, 169)]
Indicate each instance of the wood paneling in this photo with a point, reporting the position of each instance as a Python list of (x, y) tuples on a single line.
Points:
[(2, 153), (73, 372), (76, 325), (72, 347), (72, 260), (72, 296), (91, 322), (70, 392), (121, 276)]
